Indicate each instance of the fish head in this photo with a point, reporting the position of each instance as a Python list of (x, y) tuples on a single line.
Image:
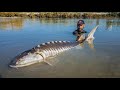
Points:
[(25, 59)]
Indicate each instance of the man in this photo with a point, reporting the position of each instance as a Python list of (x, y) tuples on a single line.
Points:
[(79, 32)]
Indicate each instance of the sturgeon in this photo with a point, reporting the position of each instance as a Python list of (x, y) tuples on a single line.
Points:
[(40, 52)]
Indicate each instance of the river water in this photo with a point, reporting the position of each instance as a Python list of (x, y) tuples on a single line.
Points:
[(98, 59)]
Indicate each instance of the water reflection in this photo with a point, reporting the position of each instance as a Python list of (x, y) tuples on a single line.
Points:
[(113, 22), (52, 20), (17, 23), (97, 22), (11, 23), (55, 21), (91, 44), (89, 21), (110, 23)]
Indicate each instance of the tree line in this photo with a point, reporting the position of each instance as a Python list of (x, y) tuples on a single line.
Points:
[(60, 14)]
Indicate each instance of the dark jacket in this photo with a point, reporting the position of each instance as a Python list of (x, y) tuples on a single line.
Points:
[(76, 32)]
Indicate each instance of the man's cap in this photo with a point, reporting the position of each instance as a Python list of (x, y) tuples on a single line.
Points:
[(80, 22)]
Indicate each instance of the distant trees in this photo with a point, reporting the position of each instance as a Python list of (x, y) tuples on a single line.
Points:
[(60, 14)]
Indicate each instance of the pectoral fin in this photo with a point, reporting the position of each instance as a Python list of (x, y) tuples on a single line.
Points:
[(47, 62)]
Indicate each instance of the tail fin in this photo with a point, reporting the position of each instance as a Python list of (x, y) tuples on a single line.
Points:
[(90, 35)]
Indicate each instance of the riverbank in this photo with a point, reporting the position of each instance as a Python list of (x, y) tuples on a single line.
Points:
[(61, 14)]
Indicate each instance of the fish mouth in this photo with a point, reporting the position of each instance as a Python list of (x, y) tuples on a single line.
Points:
[(12, 66), (22, 65), (16, 66)]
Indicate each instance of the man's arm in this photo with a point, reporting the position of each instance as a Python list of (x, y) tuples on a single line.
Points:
[(76, 33), (84, 31)]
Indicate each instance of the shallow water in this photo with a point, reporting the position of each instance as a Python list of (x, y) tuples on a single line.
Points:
[(100, 59)]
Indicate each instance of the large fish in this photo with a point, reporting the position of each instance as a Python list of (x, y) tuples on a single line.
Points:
[(40, 52)]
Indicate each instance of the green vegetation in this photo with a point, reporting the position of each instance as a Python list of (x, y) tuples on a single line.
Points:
[(60, 14)]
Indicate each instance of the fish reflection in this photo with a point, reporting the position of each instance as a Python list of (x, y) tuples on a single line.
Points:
[(91, 43)]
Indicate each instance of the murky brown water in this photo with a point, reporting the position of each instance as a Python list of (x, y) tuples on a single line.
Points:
[(100, 59)]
